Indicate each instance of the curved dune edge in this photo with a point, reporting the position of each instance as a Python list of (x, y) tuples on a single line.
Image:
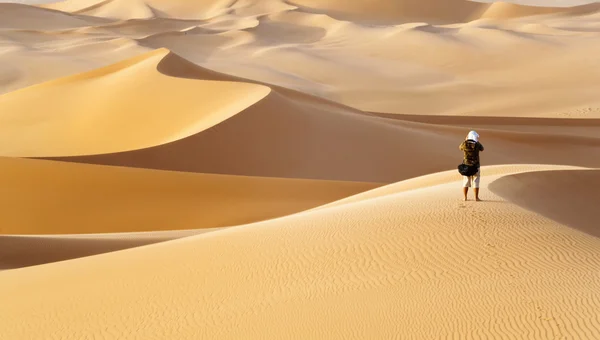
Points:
[(396, 263), (70, 116), (569, 197), (444, 177), (82, 199)]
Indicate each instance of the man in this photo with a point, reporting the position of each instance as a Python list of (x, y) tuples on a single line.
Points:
[(471, 148)]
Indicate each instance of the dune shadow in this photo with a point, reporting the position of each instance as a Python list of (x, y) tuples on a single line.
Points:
[(19, 251), (569, 197), (26, 251)]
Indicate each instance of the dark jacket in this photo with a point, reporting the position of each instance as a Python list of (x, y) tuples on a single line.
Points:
[(471, 151)]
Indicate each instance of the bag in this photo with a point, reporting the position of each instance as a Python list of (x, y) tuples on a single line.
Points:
[(467, 170)]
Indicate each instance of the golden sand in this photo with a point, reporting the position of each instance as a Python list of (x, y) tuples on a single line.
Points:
[(287, 169)]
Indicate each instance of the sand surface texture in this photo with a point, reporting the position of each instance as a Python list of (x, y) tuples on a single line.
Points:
[(259, 169)]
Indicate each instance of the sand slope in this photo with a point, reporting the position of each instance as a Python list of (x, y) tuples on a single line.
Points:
[(124, 106), (104, 209), (252, 128), (570, 196), (83, 198), (18, 251), (504, 10), (383, 11), (19, 16), (392, 264)]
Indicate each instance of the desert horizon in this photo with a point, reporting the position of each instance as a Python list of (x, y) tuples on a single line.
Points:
[(258, 169)]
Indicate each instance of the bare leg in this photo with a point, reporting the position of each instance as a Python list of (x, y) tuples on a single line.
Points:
[(476, 194), (465, 191)]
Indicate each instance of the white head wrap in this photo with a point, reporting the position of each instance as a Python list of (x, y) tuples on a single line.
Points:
[(473, 135)]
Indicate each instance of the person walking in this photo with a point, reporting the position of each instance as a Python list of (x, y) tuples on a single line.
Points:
[(471, 148)]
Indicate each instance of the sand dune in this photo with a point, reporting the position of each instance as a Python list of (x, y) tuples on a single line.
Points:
[(83, 199), (383, 11), (287, 169), (134, 28), (487, 64), (78, 110), (289, 134), (25, 63), (105, 209), (19, 16), (372, 260), (143, 9)]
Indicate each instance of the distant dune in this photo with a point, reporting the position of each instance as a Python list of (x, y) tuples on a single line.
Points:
[(143, 9), (504, 10), (434, 11), (19, 16), (383, 56)]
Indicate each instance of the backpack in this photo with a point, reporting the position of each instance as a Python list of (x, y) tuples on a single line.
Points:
[(467, 170)]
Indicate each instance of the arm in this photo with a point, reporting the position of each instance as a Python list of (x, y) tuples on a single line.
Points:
[(481, 147)]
